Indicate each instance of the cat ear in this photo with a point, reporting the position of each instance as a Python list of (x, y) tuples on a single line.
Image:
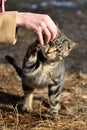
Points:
[(73, 45)]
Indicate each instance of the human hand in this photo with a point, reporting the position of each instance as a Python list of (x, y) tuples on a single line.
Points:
[(38, 23)]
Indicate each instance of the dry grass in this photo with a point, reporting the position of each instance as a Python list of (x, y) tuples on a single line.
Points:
[(74, 111)]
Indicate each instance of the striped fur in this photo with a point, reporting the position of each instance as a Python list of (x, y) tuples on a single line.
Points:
[(44, 67)]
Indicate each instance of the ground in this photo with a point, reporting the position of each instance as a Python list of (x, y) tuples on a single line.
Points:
[(73, 114)]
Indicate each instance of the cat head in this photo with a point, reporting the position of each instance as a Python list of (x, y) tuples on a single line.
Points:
[(59, 48)]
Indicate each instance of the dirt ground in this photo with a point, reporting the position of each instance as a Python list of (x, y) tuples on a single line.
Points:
[(73, 114)]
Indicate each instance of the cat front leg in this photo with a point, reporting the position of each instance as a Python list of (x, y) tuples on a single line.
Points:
[(27, 106), (54, 93)]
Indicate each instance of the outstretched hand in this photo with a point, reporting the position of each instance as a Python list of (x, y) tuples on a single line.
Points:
[(38, 23)]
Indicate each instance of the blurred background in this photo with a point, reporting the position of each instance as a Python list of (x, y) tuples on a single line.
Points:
[(71, 16)]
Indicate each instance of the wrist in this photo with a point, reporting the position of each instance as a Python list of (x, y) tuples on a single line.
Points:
[(19, 19)]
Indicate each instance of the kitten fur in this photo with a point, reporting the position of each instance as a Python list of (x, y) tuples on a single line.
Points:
[(43, 66)]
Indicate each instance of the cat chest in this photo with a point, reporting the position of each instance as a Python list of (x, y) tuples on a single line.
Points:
[(43, 75)]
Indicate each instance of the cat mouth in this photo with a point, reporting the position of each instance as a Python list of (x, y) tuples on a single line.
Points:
[(48, 53), (51, 50)]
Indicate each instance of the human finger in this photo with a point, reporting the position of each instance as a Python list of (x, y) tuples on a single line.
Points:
[(51, 26), (46, 33), (53, 30), (40, 35)]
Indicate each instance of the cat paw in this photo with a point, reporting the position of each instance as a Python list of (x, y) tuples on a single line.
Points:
[(27, 108)]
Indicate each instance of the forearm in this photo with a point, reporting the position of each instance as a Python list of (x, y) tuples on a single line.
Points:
[(8, 27)]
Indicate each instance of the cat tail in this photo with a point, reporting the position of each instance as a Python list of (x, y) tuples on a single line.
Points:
[(12, 61)]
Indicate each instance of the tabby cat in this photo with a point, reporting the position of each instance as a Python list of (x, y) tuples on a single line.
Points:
[(43, 66)]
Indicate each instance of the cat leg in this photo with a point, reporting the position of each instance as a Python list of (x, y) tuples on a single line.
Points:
[(54, 93), (27, 106)]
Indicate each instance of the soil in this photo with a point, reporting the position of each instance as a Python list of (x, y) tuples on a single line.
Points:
[(73, 113)]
